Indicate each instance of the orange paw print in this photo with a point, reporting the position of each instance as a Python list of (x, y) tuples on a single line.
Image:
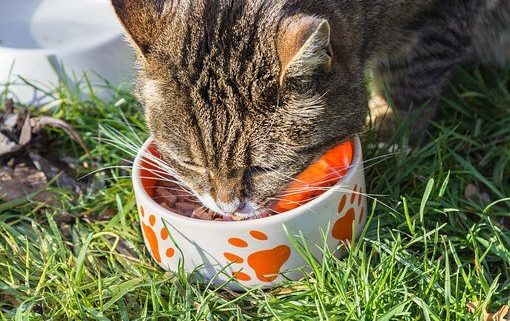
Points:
[(152, 237), (266, 263), (342, 229)]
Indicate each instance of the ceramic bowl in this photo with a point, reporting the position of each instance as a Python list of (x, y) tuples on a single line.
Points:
[(255, 252), (42, 40)]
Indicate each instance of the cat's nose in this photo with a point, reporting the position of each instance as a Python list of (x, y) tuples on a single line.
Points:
[(227, 191)]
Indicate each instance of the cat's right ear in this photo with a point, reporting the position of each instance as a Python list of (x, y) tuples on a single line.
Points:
[(304, 46), (142, 21)]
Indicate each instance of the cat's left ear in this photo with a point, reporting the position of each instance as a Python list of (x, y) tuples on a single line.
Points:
[(304, 46), (142, 20)]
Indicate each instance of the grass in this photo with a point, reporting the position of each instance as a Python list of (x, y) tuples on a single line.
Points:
[(426, 252)]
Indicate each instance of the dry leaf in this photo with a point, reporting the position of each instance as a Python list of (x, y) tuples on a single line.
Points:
[(7, 298), (7, 146), (9, 133), (289, 289), (65, 230), (107, 214), (9, 122), (39, 122), (26, 132), (501, 315)]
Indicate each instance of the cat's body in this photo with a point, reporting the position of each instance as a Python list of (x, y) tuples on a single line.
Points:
[(242, 95)]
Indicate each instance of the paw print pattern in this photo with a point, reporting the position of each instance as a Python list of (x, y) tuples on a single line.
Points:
[(266, 264), (152, 237), (343, 229)]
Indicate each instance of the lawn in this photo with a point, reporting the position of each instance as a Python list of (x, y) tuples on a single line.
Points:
[(437, 240)]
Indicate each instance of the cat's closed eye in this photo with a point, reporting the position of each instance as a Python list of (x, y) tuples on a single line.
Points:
[(260, 170), (191, 165)]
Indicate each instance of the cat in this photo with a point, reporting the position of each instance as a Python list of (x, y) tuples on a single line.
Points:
[(242, 95)]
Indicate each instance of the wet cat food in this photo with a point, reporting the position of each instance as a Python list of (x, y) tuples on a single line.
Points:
[(176, 199)]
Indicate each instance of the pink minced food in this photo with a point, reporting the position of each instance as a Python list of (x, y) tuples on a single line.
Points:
[(176, 199)]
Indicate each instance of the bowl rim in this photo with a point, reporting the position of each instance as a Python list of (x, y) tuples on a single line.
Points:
[(356, 165)]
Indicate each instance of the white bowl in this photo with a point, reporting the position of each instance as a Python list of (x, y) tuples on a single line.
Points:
[(255, 252), (74, 36)]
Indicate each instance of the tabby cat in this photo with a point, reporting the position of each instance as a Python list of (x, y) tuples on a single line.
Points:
[(242, 95)]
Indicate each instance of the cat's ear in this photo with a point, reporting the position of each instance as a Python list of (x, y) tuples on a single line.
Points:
[(304, 46), (142, 21)]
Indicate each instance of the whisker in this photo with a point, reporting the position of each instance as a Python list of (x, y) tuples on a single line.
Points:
[(174, 189), (284, 177), (347, 191), (187, 201), (325, 189)]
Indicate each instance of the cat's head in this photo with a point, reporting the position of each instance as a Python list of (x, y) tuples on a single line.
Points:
[(242, 95)]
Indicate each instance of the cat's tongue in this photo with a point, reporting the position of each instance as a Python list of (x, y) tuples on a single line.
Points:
[(248, 212)]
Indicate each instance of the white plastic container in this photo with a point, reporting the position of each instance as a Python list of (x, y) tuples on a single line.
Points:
[(42, 40)]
